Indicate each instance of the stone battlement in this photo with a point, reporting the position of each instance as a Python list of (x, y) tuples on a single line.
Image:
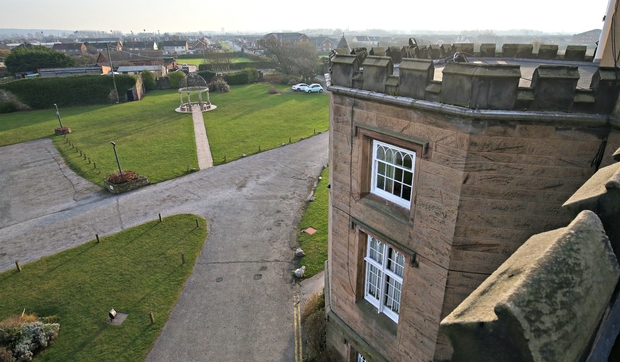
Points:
[(553, 87)]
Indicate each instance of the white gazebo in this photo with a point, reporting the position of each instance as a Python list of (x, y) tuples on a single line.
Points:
[(194, 84)]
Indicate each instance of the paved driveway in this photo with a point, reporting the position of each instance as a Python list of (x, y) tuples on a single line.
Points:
[(238, 303)]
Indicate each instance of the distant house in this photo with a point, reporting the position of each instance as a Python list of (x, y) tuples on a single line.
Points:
[(129, 58), (201, 45), (285, 38), (70, 48), (102, 46), (139, 45), (363, 40), (323, 44), (587, 38), (175, 47)]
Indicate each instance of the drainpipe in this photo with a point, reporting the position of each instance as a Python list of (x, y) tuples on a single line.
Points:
[(605, 33)]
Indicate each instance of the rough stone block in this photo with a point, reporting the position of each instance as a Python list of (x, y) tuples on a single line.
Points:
[(376, 72), (344, 67), (414, 77), (576, 53), (543, 303), (606, 87), (548, 51), (487, 50), (488, 86), (601, 194), (554, 87)]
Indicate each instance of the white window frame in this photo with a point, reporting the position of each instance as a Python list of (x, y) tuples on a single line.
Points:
[(383, 286), (361, 358), (391, 173)]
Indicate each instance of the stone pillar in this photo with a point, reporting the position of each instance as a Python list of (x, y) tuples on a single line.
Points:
[(554, 87), (487, 50), (343, 68), (548, 51), (606, 86), (544, 303), (376, 72), (489, 86), (414, 77), (575, 53)]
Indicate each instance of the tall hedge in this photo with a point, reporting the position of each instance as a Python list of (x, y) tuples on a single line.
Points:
[(237, 78), (207, 75), (76, 90)]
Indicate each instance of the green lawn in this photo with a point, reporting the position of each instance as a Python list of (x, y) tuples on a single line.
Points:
[(249, 117), (155, 141), (152, 139), (136, 271), (198, 60), (315, 246)]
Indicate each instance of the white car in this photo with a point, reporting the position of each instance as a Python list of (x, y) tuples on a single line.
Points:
[(299, 87), (314, 88)]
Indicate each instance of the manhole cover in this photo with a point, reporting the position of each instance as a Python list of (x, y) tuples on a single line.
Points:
[(219, 279), (258, 276)]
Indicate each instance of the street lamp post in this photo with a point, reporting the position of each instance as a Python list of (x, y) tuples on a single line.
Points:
[(58, 115), (116, 155)]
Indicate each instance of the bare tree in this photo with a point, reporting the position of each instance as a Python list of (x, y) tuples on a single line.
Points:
[(293, 59)]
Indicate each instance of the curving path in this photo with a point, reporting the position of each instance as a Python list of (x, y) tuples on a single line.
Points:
[(238, 303)]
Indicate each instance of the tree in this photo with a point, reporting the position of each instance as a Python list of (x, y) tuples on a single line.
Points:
[(85, 59), (4, 53), (293, 59), (24, 59)]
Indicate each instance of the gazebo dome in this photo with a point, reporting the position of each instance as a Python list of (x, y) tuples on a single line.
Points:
[(193, 80), (194, 84)]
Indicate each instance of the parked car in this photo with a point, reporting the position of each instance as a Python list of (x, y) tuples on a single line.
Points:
[(299, 87), (314, 88)]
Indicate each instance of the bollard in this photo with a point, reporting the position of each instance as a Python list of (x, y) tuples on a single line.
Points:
[(224, 158), (94, 164), (197, 223), (152, 317), (84, 156), (97, 236), (315, 131), (258, 148), (182, 258), (89, 160), (80, 153), (19, 267), (159, 217), (289, 140)]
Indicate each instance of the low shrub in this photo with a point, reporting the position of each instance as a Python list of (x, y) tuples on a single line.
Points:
[(9, 103), (219, 85), (175, 78), (252, 74), (126, 176), (315, 327), (21, 336), (272, 90)]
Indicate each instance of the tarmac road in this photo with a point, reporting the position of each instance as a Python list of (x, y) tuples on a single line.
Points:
[(238, 303)]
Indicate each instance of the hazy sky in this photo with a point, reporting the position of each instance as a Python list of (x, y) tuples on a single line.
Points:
[(564, 16)]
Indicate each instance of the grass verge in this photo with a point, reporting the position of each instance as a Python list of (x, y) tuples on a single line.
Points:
[(136, 271), (316, 215)]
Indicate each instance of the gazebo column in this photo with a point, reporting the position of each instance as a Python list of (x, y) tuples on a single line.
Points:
[(189, 101), (181, 99)]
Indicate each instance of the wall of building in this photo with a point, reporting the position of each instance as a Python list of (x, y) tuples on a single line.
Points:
[(485, 182)]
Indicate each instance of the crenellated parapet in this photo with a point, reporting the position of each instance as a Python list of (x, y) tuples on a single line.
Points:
[(553, 87)]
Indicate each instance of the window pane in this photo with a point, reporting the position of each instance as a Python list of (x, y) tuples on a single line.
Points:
[(388, 185), (398, 175), (373, 281), (392, 294), (406, 193), (407, 162), (381, 182), (380, 153), (381, 168), (408, 178)]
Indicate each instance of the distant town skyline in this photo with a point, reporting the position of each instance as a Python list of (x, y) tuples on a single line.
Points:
[(551, 16)]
